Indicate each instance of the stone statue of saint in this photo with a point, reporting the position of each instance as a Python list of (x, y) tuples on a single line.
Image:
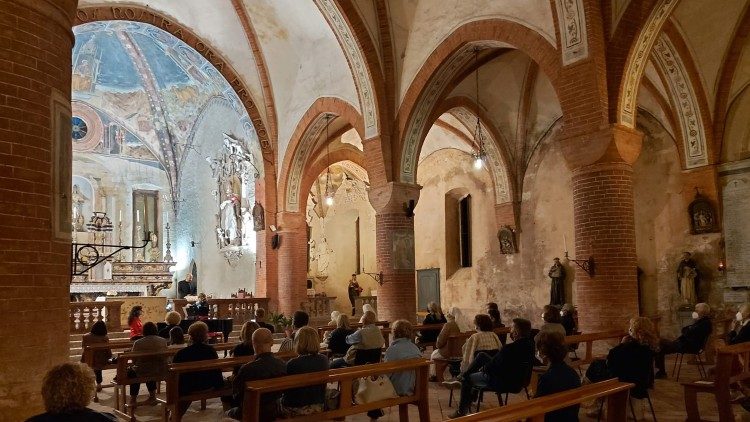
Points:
[(688, 279), (557, 290), (230, 217), (78, 199), (259, 218)]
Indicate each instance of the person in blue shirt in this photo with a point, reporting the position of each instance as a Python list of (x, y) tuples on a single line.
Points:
[(402, 348)]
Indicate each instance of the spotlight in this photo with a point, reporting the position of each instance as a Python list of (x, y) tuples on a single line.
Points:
[(329, 200), (478, 162)]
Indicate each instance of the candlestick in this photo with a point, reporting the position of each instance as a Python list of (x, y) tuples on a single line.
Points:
[(565, 243), (138, 216), (121, 216)]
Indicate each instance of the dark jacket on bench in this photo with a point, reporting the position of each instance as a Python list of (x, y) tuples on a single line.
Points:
[(632, 362), (265, 366), (511, 367), (202, 380), (694, 336)]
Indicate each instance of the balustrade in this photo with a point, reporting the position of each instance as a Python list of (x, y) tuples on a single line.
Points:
[(84, 314), (239, 309), (318, 307), (361, 301)]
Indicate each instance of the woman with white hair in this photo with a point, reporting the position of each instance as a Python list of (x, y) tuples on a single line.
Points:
[(365, 309), (450, 328)]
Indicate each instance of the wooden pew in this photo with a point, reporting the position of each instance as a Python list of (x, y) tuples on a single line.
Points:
[(345, 377), (175, 370), (87, 356), (588, 339), (455, 350), (354, 325), (615, 392), (732, 366)]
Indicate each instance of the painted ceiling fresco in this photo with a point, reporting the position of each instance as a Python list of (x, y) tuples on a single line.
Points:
[(139, 91)]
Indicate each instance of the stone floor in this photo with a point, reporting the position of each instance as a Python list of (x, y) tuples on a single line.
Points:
[(667, 398)]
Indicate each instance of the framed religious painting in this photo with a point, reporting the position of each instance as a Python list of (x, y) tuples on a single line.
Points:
[(702, 215)]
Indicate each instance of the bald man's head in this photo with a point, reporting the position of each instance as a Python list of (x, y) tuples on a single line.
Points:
[(262, 341)]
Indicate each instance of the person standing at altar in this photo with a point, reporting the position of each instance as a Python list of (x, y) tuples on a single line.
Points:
[(354, 291), (187, 287)]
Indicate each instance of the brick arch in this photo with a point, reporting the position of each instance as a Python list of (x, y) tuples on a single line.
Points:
[(441, 68), (303, 142), (314, 169), (637, 58), (500, 166)]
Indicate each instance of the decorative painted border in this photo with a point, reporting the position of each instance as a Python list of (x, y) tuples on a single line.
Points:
[(357, 64), (685, 101), (301, 156), (637, 60), (573, 34), (496, 166), (94, 124)]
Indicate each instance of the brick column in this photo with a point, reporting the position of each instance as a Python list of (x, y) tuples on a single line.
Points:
[(35, 80), (394, 248), (266, 258), (292, 269), (604, 224)]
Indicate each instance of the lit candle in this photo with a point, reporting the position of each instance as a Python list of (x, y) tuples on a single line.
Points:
[(120, 216), (138, 216), (565, 242)]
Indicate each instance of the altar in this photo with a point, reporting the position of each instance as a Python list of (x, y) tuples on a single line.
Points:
[(126, 279)]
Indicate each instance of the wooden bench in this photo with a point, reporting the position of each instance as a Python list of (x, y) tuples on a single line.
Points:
[(732, 366), (615, 392), (588, 339), (175, 370), (455, 350), (88, 353), (345, 377), (354, 325)]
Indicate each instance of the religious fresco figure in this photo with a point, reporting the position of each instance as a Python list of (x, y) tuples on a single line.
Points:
[(230, 217), (688, 279), (78, 199), (557, 289)]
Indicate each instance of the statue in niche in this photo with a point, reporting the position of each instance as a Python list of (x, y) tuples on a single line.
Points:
[(688, 279), (247, 227), (506, 237), (702, 217), (259, 217), (78, 199), (557, 290), (154, 251), (230, 213)]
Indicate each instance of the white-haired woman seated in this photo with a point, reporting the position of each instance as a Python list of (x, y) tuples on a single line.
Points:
[(450, 328)]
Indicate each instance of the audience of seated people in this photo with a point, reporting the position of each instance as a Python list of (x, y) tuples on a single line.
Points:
[(368, 337), (260, 319), (67, 390), (336, 341), (483, 340), (148, 367), (434, 316), (264, 366), (692, 340), (449, 329), (299, 319), (559, 376), (198, 350), (310, 399), (509, 370), (98, 335), (568, 319), (173, 319)]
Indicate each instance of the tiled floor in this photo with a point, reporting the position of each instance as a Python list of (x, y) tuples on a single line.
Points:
[(667, 398)]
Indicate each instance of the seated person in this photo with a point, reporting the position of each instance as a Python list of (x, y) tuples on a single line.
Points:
[(692, 340), (332, 323), (366, 338), (155, 367), (740, 332), (299, 319), (202, 308), (568, 319), (559, 377), (402, 347), (245, 347), (134, 322), (508, 370), (483, 339), (310, 399), (265, 366), (66, 390), (172, 319), (176, 338), (98, 335), (365, 308), (450, 328), (337, 340), (260, 319), (435, 316), (491, 305), (497, 323), (552, 322), (198, 350)]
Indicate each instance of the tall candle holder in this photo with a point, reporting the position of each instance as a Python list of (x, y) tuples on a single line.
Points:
[(140, 254), (118, 255), (168, 253)]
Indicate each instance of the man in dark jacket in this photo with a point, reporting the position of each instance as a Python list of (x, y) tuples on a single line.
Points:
[(692, 340), (509, 370)]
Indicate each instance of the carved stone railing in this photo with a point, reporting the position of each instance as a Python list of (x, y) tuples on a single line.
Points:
[(361, 301), (318, 307), (84, 314), (239, 309)]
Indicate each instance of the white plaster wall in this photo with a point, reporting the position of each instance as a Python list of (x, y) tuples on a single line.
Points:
[(663, 232), (517, 282), (339, 228), (419, 26), (742, 72), (196, 217), (217, 24), (304, 60), (736, 145)]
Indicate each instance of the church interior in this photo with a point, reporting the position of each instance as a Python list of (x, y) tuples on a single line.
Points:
[(275, 153)]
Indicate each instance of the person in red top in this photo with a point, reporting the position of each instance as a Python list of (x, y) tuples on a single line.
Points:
[(134, 322)]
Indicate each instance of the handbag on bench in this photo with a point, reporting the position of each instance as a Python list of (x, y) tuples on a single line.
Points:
[(374, 388)]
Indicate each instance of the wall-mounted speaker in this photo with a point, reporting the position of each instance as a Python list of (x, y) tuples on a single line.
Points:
[(275, 241), (409, 208)]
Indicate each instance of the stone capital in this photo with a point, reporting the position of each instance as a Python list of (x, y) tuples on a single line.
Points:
[(290, 221), (613, 144), (393, 197)]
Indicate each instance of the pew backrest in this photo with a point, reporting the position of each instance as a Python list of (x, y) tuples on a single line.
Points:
[(588, 339), (456, 342), (613, 391), (354, 325), (732, 364)]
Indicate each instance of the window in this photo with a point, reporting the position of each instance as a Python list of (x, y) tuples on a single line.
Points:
[(464, 230), (146, 218), (457, 231)]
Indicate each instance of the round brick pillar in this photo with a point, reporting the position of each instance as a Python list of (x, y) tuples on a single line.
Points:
[(604, 222), (394, 248), (35, 166), (292, 269)]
